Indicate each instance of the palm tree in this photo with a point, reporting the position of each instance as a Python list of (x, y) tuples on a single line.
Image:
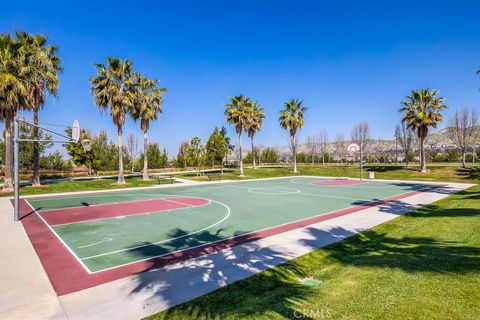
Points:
[(257, 115), (148, 104), (237, 114), (421, 111), (291, 118), (13, 92), (113, 88), (44, 66)]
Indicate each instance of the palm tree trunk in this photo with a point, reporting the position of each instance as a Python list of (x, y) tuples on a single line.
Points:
[(121, 178), (36, 153), (240, 152), (253, 155), (145, 156), (423, 165), (294, 148), (8, 181)]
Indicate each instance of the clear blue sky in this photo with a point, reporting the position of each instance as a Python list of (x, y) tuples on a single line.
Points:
[(348, 60)]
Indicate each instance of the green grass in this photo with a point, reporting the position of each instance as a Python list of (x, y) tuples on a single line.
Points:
[(425, 265), (86, 185), (450, 173)]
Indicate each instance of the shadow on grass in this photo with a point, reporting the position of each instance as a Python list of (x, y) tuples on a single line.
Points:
[(411, 254), (178, 283), (469, 173), (377, 168)]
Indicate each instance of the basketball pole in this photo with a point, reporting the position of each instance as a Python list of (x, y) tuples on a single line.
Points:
[(16, 173), (16, 156), (361, 161)]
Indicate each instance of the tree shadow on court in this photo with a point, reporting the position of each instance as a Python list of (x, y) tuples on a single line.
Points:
[(280, 288), (439, 189), (412, 254)]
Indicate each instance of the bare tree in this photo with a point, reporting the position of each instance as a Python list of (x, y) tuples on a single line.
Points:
[(379, 151), (405, 137), (132, 148), (340, 146), (312, 146), (361, 135), (322, 139), (182, 152), (462, 131)]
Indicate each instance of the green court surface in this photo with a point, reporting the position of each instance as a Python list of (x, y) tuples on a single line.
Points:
[(231, 209)]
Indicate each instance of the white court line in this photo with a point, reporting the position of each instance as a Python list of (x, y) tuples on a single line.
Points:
[(60, 239), (178, 202), (166, 240), (133, 215)]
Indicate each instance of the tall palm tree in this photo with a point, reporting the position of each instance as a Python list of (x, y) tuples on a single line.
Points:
[(257, 115), (113, 89), (291, 118), (421, 111), (237, 114), (13, 92), (43, 65), (148, 104)]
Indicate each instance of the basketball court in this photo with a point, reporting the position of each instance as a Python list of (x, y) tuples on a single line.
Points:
[(84, 240)]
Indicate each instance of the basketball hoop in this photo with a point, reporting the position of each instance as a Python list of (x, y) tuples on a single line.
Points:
[(76, 131), (353, 148)]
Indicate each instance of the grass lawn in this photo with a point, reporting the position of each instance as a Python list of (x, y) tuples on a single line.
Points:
[(425, 265), (450, 173), (85, 185)]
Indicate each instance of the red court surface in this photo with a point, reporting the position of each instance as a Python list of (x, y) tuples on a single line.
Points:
[(67, 275), (338, 182), (105, 211)]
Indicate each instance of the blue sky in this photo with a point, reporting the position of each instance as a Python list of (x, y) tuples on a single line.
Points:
[(348, 60)]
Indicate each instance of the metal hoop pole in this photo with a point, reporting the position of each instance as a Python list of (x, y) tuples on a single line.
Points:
[(46, 129), (361, 161), (16, 178)]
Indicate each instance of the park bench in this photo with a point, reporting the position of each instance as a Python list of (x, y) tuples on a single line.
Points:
[(213, 176), (160, 177)]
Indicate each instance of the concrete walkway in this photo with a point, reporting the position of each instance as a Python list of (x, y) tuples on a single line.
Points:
[(25, 291)]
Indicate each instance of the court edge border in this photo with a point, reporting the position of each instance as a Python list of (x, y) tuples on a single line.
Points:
[(58, 238), (130, 269)]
